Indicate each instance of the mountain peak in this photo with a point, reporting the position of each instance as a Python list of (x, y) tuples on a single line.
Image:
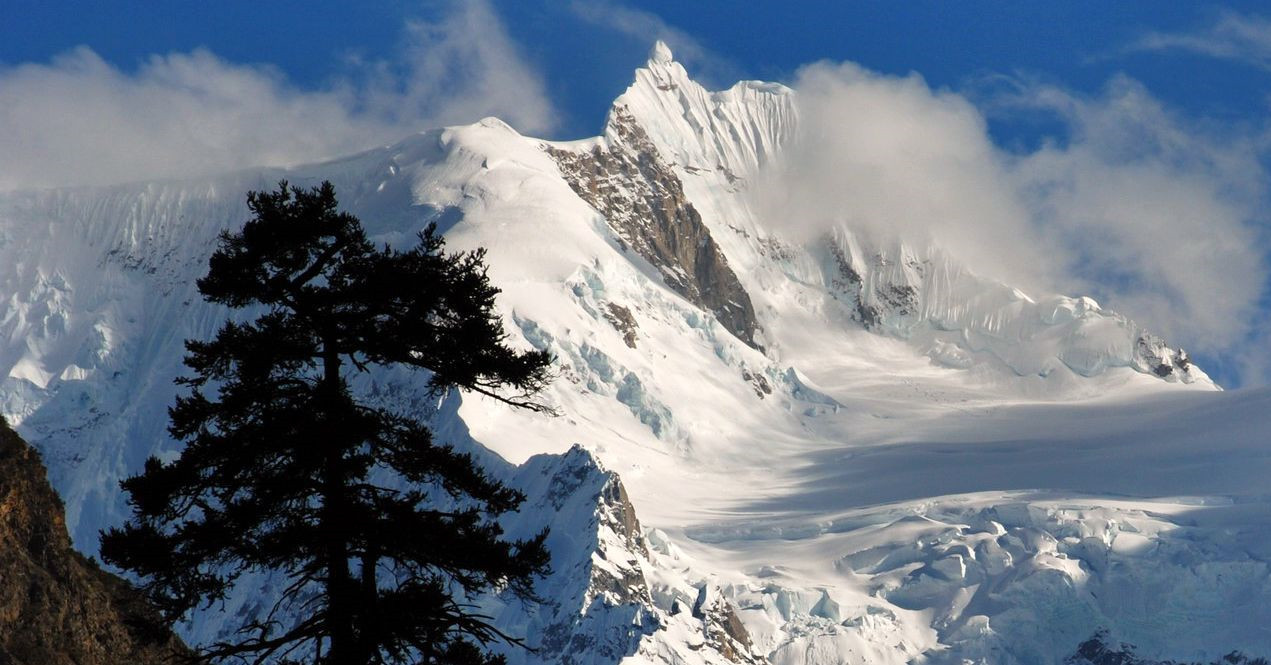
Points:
[(660, 53)]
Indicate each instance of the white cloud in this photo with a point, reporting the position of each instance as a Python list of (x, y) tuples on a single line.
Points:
[(82, 121), (1148, 210), (891, 157), (1231, 36), (1153, 210)]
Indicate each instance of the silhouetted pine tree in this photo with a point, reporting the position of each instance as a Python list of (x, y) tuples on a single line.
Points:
[(283, 468)]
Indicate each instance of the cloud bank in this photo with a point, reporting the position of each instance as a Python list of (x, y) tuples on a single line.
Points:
[(1152, 213), (79, 120), (890, 157)]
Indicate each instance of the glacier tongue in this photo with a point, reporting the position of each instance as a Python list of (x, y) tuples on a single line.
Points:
[(841, 449)]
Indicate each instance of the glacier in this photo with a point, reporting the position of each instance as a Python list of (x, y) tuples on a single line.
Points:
[(837, 449)]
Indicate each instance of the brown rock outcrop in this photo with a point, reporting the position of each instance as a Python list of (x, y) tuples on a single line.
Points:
[(644, 202), (56, 606)]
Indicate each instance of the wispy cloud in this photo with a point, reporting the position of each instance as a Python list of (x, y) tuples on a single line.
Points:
[(706, 65), (1153, 212), (1231, 36), (79, 120), (463, 68)]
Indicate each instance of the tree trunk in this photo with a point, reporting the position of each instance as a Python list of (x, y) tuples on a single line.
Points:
[(339, 584), (369, 606)]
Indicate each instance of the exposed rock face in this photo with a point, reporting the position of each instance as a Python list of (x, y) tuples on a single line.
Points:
[(1099, 651), (643, 200), (621, 319), (1155, 356), (724, 630), (57, 607), (759, 381), (881, 300)]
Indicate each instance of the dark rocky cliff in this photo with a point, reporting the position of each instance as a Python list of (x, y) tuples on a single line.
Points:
[(56, 606), (644, 202)]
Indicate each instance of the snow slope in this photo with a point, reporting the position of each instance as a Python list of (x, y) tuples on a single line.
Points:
[(838, 449)]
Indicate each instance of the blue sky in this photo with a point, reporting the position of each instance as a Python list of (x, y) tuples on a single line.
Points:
[(1161, 97)]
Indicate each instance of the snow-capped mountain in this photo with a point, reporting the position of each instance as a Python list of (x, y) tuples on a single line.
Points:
[(843, 449)]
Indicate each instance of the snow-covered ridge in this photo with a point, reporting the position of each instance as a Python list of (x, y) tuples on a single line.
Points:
[(610, 597), (962, 320), (730, 132)]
